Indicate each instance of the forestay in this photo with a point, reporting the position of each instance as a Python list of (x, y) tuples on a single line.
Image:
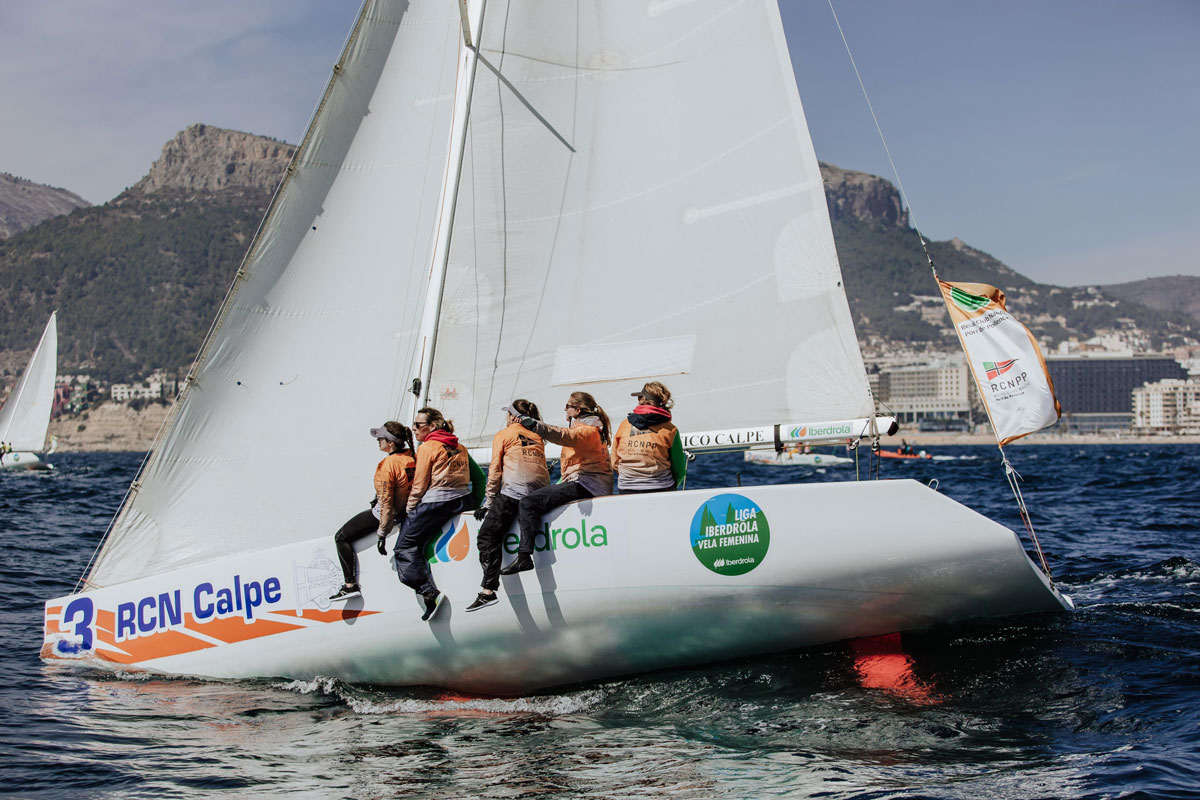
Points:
[(26, 414), (270, 442), (640, 200)]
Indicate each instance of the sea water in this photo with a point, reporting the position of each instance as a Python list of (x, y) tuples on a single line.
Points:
[(1103, 702)]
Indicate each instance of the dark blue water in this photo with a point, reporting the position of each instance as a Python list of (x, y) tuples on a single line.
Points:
[(1104, 702)]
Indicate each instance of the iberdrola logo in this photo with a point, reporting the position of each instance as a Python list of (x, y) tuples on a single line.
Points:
[(967, 301), (997, 368), (453, 545), (800, 432)]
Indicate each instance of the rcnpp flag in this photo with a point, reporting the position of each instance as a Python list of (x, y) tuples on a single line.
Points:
[(1008, 366)]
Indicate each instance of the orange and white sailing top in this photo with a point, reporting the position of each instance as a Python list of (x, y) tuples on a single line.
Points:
[(443, 471), (393, 481), (584, 457), (518, 464), (646, 451)]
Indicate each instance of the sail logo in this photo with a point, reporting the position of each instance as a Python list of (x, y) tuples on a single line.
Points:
[(967, 301), (997, 368), (453, 545), (730, 534)]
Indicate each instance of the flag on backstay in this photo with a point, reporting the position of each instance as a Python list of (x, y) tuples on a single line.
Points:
[(1008, 366)]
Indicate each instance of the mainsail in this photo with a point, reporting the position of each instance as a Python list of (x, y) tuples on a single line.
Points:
[(26, 414), (639, 199)]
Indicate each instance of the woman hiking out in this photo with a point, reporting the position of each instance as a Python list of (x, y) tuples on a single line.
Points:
[(647, 453), (586, 471), (441, 490), (393, 477), (518, 468)]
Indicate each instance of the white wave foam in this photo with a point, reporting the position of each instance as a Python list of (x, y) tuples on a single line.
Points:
[(370, 701)]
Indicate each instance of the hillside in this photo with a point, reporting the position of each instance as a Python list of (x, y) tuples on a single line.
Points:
[(888, 279), (1177, 294), (24, 204), (138, 280)]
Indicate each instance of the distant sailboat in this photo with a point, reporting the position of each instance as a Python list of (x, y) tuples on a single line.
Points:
[(551, 197), (26, 414)]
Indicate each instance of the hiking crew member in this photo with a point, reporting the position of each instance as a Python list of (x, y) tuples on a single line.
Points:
[(393, 477), (518, 468), (586, 471), (441, 490), (646, 451)]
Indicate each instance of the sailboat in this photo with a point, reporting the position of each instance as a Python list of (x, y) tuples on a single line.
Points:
[(26, 414), (518, 199)]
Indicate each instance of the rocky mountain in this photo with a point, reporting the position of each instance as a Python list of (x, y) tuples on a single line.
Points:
[(138, 280), (24, 204), (202, 158), (1176, 294)]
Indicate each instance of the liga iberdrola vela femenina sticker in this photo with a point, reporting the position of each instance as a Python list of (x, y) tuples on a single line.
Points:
[(730, 534)]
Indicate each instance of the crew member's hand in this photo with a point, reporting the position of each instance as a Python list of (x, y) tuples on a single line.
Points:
[(480, 513), (381, 544)]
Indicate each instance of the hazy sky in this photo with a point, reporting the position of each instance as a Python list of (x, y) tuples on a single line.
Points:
[(1058, 135)]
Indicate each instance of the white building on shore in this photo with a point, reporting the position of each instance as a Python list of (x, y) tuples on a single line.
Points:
[(1170, 406)]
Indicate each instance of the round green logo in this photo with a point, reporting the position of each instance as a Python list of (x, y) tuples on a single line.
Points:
[(730, 534)]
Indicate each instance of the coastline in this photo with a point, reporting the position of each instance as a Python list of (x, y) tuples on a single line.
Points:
[(115, 428), (934, 439)]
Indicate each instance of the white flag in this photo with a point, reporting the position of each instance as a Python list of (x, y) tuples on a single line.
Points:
[(1008, 366)]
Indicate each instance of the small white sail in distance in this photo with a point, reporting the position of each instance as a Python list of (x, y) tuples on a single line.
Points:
[(25, 417)]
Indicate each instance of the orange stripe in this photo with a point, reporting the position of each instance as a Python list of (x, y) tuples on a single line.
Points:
[(236, 629)]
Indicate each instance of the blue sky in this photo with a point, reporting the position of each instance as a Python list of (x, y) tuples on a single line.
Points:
[(1058, 135)]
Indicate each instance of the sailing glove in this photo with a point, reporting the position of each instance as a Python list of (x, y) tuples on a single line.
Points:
[(480, 513), (381, 545)]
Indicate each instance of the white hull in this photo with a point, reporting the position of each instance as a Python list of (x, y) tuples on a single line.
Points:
[(623, 591), (789, 459), (22, 460)]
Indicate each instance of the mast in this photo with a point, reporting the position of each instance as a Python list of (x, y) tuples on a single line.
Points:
[(464, 88)]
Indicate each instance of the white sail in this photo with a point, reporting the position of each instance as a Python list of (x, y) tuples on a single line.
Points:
[(26, 414), (640, 200), (270, 441)]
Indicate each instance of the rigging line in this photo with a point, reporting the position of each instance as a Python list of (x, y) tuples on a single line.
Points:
[(1013, 478), (879, 129)]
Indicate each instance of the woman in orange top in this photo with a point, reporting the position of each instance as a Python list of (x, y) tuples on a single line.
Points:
[(646, 451), (441, 490), (586, 471), (518, 468), (393, 477)]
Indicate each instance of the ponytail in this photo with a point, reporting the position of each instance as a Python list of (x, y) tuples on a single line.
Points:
[(587, 405), (401, 432), (436, 420), (526, 408)]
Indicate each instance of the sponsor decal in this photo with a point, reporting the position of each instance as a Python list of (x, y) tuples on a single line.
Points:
[(316, 580), (730, 534), (799, 433), (196, 616), (452, 545), (967, 301), (994, 369), (583, 533), (723, 438)]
